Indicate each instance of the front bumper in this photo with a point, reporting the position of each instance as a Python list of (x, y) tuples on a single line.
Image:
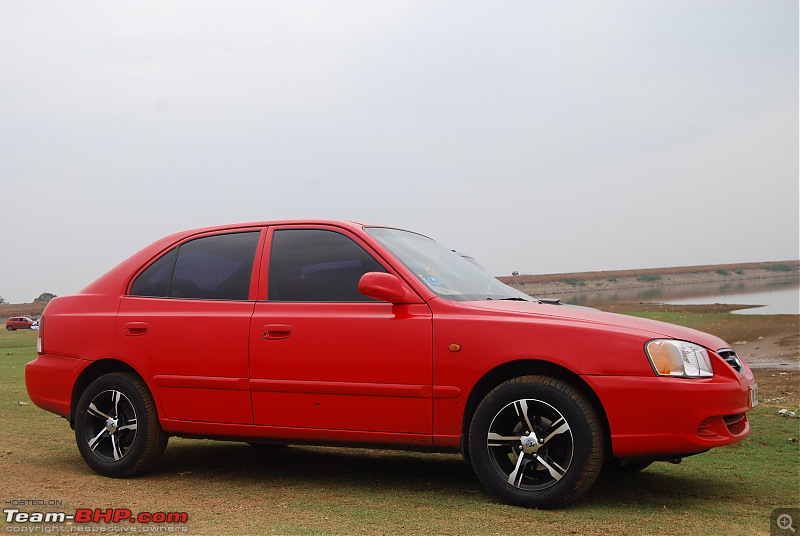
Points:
[(662, 416)]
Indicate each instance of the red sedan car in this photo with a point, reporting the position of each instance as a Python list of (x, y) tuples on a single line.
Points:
[(323, 332)]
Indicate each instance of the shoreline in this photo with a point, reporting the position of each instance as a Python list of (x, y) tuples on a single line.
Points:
[(621, 285)]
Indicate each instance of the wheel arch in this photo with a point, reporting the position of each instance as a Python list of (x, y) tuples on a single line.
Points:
[(90, 374), (529, 367)]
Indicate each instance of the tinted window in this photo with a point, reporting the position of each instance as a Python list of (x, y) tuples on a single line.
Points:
[(316, 265), (213, 268), (155, 280)]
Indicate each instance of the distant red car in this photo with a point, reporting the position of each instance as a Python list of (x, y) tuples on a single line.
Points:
[(19, 322), (322, 332)]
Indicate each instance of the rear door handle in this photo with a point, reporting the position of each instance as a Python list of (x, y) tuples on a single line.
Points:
[(135, 329), (277, 331)]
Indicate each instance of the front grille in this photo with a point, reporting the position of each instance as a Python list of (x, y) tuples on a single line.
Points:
[(732, 359)]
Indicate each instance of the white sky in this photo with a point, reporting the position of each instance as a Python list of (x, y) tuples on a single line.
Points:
[(537, 136)]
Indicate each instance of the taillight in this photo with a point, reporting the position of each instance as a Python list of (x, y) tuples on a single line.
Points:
[(39, 342)]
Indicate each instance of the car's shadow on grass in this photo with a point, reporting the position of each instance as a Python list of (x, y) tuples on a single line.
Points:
[(315, 466), (204, 463), (659, 485)]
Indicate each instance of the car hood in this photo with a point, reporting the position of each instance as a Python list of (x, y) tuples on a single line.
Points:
[(649, 328)]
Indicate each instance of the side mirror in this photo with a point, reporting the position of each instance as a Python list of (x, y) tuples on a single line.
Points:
[(381, 286)]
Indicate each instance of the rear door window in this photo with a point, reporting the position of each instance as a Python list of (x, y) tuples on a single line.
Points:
[(217, 267)]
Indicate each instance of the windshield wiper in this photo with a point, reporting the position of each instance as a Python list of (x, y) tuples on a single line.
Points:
[(549, 301), (508, 299)]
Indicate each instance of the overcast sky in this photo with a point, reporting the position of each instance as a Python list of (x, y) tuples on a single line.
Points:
[(537, 136)]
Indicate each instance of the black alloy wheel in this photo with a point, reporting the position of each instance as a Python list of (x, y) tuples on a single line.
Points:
[(536, 441), (116, 426)]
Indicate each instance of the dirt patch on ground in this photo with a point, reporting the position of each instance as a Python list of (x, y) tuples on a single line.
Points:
[(778, 386)]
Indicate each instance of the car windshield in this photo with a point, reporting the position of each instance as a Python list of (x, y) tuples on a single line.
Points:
[(443, 271)]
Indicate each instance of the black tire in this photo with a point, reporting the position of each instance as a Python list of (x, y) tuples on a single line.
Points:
[(117, 428), (10, 328), (535, 441)]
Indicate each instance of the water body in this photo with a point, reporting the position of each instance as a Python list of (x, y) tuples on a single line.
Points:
[(785, 301), (776, 296)]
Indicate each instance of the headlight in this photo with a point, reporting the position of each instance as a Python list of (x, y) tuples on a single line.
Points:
[(679, 358)]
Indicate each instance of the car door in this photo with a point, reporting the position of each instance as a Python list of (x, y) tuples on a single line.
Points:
[(186, 320), (324, 356)]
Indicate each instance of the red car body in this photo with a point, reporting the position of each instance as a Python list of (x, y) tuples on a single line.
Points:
[(406, 370)]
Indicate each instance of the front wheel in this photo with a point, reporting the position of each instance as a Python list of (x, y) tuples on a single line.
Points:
[(10, 328), (535, 441), (116, 426)]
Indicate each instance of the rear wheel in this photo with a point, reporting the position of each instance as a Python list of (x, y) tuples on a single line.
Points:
[(536, 441), (10, 328), (116, 426)]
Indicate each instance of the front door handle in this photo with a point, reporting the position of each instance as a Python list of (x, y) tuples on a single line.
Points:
[(135, 329), (277, 331)]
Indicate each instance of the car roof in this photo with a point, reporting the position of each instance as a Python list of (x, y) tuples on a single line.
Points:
[(111, 281)]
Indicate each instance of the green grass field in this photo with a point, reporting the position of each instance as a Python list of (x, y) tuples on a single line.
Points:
[(234, 488)]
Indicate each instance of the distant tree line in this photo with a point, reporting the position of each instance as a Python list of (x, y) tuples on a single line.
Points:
[(44, 297)]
